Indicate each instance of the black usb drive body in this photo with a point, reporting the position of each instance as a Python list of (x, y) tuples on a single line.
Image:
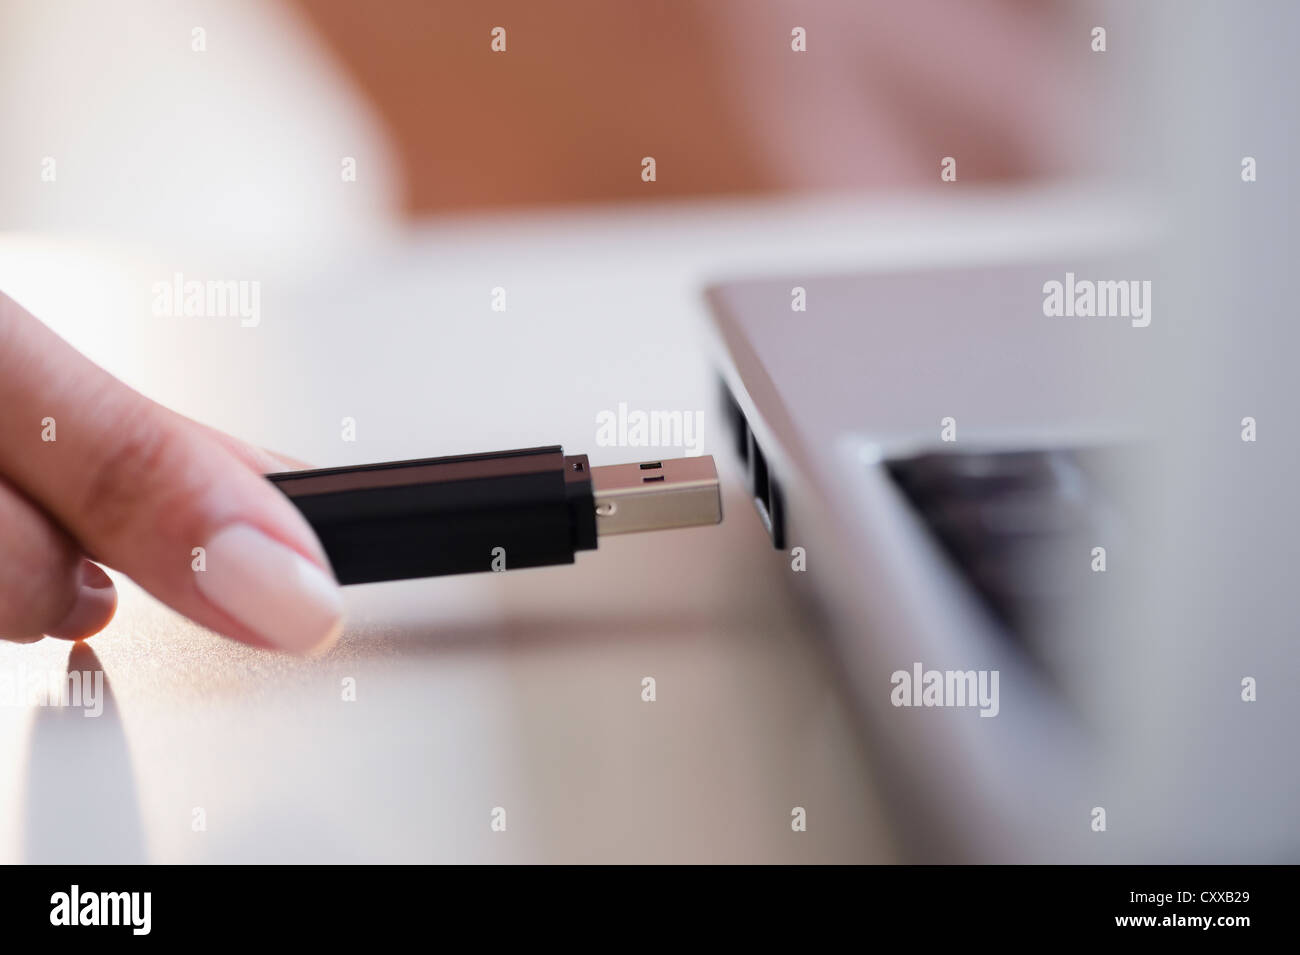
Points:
[(480, 512)]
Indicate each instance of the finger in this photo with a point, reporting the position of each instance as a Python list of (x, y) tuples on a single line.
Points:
[(149, 493), (94, 607), (259, 459), (39, 575)]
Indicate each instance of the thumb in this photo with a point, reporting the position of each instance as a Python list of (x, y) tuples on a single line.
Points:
[(159, 497)]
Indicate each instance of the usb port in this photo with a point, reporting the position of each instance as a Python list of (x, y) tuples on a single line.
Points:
[(735, 419), (766, 492)]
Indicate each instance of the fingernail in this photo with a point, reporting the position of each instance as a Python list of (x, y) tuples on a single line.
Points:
[(271, 589), (96, 601)]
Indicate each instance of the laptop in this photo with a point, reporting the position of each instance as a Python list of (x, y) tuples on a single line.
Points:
[(976, 492), (937, 461), (1046, 508)]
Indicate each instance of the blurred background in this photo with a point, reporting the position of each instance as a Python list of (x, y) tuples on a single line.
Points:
[(244, 135), (300, 143)]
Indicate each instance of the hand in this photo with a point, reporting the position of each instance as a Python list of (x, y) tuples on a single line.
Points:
[(90, 469)]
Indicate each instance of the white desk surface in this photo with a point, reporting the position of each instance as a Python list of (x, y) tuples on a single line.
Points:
[(520, 691)]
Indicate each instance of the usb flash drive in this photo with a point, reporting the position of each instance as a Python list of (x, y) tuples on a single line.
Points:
[(450, 515)]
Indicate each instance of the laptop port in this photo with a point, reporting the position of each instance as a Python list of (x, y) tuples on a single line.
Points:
[(735, 419), (766, 492), (764, 489)]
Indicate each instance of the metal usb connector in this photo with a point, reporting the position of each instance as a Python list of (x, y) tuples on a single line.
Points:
[(656, 495)]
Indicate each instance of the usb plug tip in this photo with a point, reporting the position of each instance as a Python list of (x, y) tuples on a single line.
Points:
[(656, 495)]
